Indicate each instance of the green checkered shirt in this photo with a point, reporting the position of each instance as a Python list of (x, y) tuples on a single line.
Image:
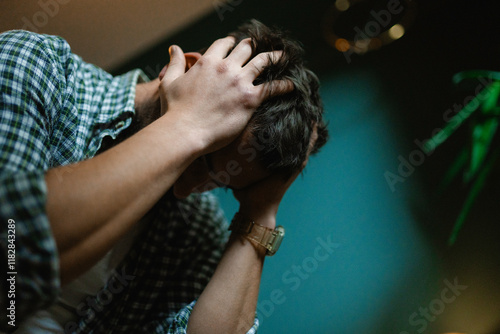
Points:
[(55, 110)]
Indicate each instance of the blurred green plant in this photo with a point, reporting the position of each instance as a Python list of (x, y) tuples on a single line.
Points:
[(480, 154)]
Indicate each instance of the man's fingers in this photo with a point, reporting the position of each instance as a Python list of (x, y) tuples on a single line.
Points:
[(220, 47), (242, 52), (162, 72), (176, 67), (312, 142), (274, 88), (280, 87), (260, 61)]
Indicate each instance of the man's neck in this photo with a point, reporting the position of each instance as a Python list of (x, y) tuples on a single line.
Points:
[(147, 103)]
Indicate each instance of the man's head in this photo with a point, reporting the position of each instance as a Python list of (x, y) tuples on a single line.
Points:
[(277, 136)]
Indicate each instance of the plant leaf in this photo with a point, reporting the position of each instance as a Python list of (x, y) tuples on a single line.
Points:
[(454, 169), (477, 186), (452, 125), (482, 136), (474, 74), (491, 100)]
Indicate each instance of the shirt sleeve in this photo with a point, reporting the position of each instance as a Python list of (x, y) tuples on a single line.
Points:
[(179, 325), (30, 86)]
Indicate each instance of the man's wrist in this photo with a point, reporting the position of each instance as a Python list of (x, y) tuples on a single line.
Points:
[(259, 235), (186, 138), (261, 217), (244, 241)]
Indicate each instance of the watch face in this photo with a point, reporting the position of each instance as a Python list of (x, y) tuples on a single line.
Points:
[(275, 244)]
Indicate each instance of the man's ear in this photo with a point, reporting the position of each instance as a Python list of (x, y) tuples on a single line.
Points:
[(191, 59)]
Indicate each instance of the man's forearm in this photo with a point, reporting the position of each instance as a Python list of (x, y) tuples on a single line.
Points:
[(93, 203), (228, 303)]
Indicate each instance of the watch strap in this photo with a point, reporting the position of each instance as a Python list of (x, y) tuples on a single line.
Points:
[(264, 236)]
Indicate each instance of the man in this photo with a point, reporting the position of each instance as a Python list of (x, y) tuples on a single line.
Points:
[(113, 221)]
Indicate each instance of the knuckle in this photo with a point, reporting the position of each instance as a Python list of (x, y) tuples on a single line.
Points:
[(240, 86), (203, 60), (225, 40), (236, 80), (222, 67), (266, 56), (248, 97), (260, 61), (247, 42)]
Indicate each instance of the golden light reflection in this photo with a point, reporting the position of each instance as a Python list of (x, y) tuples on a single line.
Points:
[(342, 45), (342, 5), (397, 31), (372, 33), (362, 45)]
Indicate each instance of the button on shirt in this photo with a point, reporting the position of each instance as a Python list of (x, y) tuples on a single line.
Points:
[(55, 110)]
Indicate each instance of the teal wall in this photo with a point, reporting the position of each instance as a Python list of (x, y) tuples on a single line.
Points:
[(374, 251)]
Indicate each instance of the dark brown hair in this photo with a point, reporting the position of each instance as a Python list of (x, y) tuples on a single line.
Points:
[(283, 124)]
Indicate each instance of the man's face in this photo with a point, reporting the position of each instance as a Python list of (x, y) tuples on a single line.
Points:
[(235, 166)]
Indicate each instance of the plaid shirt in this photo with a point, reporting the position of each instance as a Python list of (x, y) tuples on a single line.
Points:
[(55, 110)]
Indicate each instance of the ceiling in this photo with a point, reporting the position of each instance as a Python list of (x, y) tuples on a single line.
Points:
[(104, 32)]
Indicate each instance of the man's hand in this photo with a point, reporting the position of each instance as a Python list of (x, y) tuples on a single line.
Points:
[(215, 99), (260, 201)]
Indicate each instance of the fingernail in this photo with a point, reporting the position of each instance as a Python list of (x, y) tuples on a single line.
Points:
[(171, 50)]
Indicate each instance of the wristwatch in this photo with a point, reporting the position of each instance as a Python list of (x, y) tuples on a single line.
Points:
[(264, 236)]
